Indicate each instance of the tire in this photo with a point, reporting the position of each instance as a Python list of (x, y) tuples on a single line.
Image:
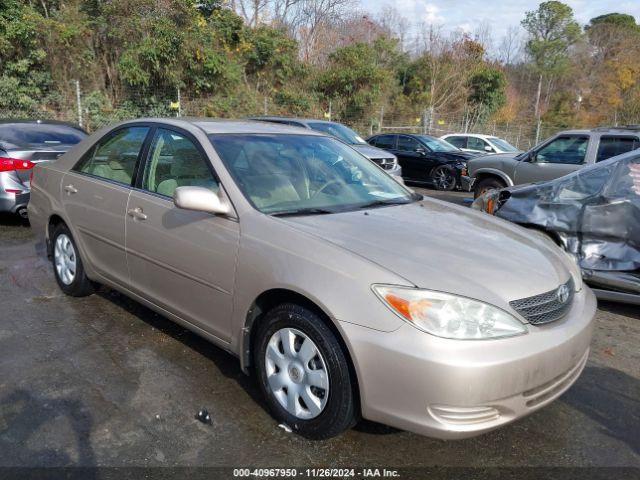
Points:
[(282, 373), (484, 185), (67, 264), (444, 178)]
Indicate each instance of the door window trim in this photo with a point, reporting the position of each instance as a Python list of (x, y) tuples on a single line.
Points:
[(89, 153)]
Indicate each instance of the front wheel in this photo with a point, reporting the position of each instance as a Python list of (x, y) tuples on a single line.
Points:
[(444, 178), (303, 373), (487, 184), (67, 265)]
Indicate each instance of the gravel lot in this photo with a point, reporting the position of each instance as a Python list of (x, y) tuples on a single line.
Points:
[(105, 381)]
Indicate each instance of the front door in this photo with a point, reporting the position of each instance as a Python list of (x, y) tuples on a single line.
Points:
[(559, 157), (183, 261), (95, 194), (416, 159)]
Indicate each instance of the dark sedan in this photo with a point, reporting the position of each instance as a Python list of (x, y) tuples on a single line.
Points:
[(426, 159)]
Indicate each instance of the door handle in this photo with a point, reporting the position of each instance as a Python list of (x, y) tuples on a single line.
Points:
[(137, 213), (70, 189)]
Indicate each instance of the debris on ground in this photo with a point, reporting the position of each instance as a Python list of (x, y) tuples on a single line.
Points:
[(285, 427), (204, 417)]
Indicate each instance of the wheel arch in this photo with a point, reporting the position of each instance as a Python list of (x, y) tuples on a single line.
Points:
[(274, 297), (53, 221), (485, 173)]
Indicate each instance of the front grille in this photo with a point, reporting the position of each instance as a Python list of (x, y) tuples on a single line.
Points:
[(385, 163), (546, 307)]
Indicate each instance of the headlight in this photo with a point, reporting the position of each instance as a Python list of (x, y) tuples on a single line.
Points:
[(449, 316), (575, 270)]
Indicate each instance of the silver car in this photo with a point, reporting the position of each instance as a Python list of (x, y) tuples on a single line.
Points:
[(336, 285), (23, 144)]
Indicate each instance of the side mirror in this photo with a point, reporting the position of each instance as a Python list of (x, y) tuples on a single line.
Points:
[(421, 151), (487, 148), (200, 199)]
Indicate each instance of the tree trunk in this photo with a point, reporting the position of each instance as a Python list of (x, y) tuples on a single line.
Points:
[(537, 107)]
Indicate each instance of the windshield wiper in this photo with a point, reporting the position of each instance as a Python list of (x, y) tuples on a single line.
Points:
[(303, 211), (383, 203)]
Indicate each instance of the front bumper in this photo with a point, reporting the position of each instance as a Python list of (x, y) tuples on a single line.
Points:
[(466, 183), (453, 389)]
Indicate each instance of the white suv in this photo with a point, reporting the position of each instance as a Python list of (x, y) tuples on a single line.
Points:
[(475, 142)]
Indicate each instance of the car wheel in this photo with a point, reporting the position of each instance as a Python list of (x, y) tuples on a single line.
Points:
[(67, 265), (444, 178), (303, 373), (483, 186)]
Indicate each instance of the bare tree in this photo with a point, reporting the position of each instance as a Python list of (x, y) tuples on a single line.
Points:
[(510, 48), (394, 24)]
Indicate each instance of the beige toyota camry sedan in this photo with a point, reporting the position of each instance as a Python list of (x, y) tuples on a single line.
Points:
[(346, 294)]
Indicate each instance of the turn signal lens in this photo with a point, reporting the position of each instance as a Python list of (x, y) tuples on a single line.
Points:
[(449, 316)]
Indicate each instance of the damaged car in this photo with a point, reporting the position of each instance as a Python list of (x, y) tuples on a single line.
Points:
[(594, 214)]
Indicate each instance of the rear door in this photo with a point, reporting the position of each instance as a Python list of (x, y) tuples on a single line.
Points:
[(95, 194), (562, 155), (181, 260)]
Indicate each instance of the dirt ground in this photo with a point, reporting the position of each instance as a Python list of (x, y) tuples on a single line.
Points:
[(103, 381)]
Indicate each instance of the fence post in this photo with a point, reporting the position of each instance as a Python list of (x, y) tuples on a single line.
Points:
[(179, 112), (381, 119), (265, 105), (79, 102), (329, 110)]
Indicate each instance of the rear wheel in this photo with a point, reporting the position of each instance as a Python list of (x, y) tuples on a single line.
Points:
[(303, 373), (67, 265), (444, 178), (487, 184)]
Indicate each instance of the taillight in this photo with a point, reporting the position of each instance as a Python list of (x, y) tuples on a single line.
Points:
[(10, 164)]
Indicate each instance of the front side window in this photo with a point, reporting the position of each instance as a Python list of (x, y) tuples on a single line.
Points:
[(475, 143), (115, 157), (408, 144), (503, 145), (174, 161), (569, 150), (297, 174), (611, 146)]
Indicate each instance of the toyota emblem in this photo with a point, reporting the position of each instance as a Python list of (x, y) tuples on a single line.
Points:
[(562, 294)]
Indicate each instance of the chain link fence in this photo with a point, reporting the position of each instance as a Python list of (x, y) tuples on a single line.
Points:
[(93, 111)]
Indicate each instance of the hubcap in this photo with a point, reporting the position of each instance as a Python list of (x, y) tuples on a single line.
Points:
[(297, 373), (64, 256), (443, 178)]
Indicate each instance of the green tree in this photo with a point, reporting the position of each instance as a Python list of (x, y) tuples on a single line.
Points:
[(552, 30)]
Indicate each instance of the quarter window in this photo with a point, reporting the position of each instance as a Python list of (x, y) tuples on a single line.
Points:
[(611, 146), (115, 157), (569, 150), (174, 161)]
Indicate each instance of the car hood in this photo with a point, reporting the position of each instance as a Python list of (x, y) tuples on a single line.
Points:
[(460, 156), (373, 152), (439, 246)]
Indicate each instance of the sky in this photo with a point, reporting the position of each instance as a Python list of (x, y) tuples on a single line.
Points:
[(497, 14)]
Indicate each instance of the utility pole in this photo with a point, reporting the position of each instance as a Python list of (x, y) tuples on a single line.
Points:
[(78, 101)]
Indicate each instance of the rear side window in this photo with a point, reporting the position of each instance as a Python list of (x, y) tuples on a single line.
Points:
[(460, 142), (611, 146), (385, 141), (115, 157)]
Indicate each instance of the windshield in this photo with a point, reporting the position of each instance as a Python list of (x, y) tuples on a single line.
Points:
[(38, 134), (298, 174), (437, 144), (503, 145), (339, 131)]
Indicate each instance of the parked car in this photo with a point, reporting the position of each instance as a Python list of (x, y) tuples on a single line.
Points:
[(594, 214), (426, 159), (23, 144), (386, 160), (475, 142), (559, 155), (280, 245)]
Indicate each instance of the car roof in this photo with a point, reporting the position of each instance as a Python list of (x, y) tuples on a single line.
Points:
[(291, 119), (40, 122), (214, 126)]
